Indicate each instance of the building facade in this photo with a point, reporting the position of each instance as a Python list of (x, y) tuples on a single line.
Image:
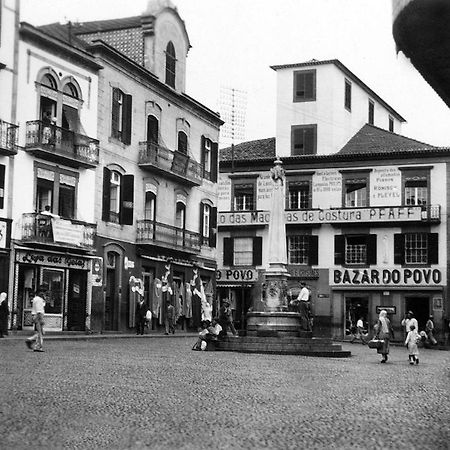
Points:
[(366, 224)]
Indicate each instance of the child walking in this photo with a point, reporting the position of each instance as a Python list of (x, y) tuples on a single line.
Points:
[(411, 342)]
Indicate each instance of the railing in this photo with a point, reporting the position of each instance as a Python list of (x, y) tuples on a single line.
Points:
[(8, 136), (149, 231), (48, 229), (170, 161), (62, 141)]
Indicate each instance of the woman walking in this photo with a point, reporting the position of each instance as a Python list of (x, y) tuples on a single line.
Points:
[(385, 332)]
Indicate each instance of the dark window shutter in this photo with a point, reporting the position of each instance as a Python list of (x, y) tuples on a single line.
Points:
[(202, 152), (339, 249), (309, 141), (228, 251), (106, 194), (115, 113), (126, 200), (372, 249), (309, 85), (213, 227), (182, 142), (2, 186), (257, 250), (214, 158), (126, 119), (399, 248), (313, 257), (433, 248), (298, 143), (202, 217), (152, 129)]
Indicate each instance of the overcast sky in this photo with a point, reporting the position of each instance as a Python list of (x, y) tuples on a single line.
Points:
[(235, 41)]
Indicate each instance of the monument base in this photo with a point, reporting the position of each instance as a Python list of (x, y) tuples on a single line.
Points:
[(279, 332)]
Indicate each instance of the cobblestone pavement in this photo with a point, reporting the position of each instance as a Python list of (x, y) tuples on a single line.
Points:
[(157, 393)]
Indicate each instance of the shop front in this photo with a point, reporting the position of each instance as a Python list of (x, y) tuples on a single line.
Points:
[(66, 281), (363, 293)]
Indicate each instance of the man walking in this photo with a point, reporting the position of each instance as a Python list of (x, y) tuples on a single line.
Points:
[(359, 332), (408, 321), (37, 311)]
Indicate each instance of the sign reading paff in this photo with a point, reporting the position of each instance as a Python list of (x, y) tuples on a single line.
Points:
[(239, 275)]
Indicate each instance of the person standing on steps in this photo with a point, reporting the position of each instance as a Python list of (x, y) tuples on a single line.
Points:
[(38, 312)]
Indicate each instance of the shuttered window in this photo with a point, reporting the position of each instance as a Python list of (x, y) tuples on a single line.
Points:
[(118, 197), (303, 139), (242, 251), (416, 248), (121, 116), (355, 249), (302, 249), (304, 86)]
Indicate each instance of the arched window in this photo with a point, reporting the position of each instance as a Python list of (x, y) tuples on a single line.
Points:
[(180, 219), (70, 89), (49, 81), (150, 206), (182, 142), (114, 198), (170, 64), (152, 129)]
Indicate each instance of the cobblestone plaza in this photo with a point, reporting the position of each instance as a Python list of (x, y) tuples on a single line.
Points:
[(154, 392)]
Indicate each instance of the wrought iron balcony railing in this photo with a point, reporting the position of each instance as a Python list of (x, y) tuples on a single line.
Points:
[(48, 229), (56, 142), (152, 232), (8, 138), (171, 163)]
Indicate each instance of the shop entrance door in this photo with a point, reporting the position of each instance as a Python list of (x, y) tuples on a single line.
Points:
[(76, 304), (420, 306), (355, 308)]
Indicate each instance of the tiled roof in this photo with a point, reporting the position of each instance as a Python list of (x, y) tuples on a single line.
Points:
[(371, 139), (259, 149), (62, 33)]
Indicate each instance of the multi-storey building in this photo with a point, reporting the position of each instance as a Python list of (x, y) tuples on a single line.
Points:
[(54, 175), (365, 219), (155, 195)]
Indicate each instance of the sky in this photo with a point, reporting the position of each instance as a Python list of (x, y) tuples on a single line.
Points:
[(234, 43)]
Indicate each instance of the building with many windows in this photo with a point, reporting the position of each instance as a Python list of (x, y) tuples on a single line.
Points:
[(365, 210), (155, 196)]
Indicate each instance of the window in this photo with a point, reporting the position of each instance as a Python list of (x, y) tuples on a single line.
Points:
[(303, 139), (391, 124), (302, 249), (70, 89), (416, 248), (415, 185), (304, 86), (49, 81), (348, 95), (208, 223), (371, 112), (150, 206), (121, 116), (152, 130), (118, 197), (180, 215), (242, 251), (299, 194), (182, 142), (243, 198), (209, 153), (355, 189), (2, 186), (170, 64), (56, 189), (355, 249)]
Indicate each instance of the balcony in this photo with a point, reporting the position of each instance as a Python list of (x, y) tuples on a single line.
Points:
[(44, 229), (150, 232), (8, 138), (60, 145), (172, 164)]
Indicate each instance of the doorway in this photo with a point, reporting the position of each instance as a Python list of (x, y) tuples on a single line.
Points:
[(76, 304), (112, 289), (356, 308), (420, 306)]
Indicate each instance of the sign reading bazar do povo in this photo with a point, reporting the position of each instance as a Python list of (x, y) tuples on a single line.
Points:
[(314, 216), (240, 275), (423, 276)]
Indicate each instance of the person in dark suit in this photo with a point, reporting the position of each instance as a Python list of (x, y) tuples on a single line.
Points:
[(4, 312), (141, 313)]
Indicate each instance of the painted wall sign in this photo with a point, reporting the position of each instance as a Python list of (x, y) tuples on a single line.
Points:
[(67, 232), (97, 271), (385, 186), (244, 275), (243, 218), (425, 276), (437, 303), (128, 263), (388, 309), (51, 259), (303, 274)]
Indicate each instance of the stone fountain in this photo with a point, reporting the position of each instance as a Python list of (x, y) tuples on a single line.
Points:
[(277, 330)]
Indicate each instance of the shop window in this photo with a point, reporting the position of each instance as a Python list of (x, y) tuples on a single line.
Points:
[(118, 197), (170, 64), (416, 248), (53, 280), (304, 86), (302, 249), (303, 140), (121, 116), (244, 196), (242, 251), (355, 249), (355, 189), (299, 194), (209, 153), (208, 221)]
